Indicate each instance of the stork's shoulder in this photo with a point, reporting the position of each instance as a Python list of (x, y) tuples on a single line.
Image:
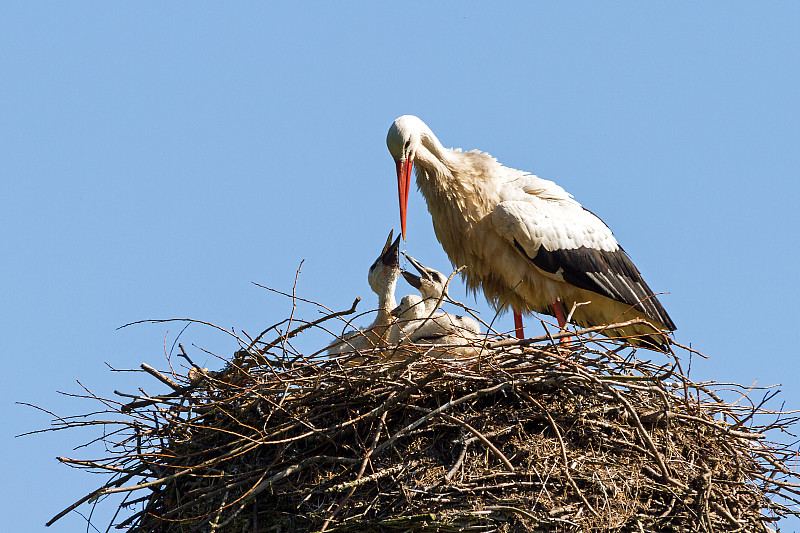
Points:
[(555, 224), (476, 163), (523, 186)]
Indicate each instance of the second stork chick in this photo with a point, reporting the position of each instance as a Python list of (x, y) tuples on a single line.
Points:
[(419, 319)]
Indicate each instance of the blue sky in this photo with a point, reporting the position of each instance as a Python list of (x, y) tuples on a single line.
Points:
[(158, 158)]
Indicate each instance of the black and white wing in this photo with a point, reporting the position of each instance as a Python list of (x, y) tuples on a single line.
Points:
[(571, 244)]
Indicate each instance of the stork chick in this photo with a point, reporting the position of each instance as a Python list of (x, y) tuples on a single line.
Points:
[(423, 323), (383, 275)]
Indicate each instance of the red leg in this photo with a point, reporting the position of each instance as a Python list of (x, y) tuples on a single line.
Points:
[(520, 333), (562, 320)]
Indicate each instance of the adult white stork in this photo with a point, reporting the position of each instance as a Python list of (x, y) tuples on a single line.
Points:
[(525, 241)]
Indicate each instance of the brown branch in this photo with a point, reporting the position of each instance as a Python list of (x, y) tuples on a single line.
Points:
[(478, 435), (594, 329), (305, 327), (564, 457), (367, 455), (441, 409), (161, 377)]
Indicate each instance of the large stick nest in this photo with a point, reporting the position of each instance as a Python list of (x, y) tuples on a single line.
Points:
[(527, 435)]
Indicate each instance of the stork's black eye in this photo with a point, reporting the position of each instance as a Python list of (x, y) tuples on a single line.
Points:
[(408, 143)]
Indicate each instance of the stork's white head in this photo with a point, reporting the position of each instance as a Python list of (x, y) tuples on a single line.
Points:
[(404, 140), (405, 136)]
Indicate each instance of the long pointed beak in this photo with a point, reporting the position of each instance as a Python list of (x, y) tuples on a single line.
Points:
[(403, 182), (388, 242), (391, 254), (412, 280), (416, 264)]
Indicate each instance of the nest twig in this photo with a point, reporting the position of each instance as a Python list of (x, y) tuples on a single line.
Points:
[(521, 436)]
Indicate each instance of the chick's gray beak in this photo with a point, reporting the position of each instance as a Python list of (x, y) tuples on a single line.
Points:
[(419, 266), (391, 256), (412, 280)]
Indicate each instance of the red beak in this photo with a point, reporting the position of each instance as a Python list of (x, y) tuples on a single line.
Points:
[(403, 182)]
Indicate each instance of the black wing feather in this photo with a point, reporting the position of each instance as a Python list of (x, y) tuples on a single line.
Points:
[(610, 274)]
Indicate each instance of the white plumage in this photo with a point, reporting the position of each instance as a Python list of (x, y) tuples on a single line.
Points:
[(424, 322), (419, 319), (525, 241)]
